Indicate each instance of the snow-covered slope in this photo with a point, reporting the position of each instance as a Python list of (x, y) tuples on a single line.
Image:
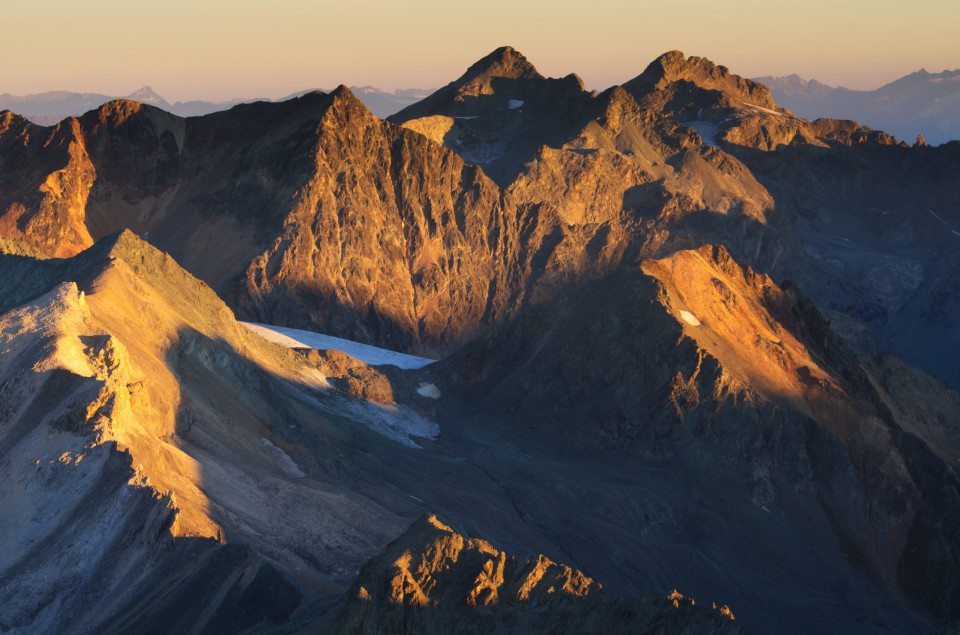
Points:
[(295, 338)]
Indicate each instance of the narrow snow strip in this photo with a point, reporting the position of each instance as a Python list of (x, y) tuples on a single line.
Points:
[(513, 104), (295, 338), (689, 318), (938, 218), (772, 112)]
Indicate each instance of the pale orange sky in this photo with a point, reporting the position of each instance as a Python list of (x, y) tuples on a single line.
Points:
[(218, 49)]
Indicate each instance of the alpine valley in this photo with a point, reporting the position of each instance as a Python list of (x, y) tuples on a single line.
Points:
[(696, 365)]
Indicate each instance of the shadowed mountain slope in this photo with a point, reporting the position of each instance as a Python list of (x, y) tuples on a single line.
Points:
[(701, 357)]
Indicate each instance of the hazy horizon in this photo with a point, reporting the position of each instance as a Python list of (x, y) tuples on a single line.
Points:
[(215, 50)]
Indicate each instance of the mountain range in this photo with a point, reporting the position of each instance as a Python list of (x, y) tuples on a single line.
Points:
[(49, 108), (689, 345), (920, 103)]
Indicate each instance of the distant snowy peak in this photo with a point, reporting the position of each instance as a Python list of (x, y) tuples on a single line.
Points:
[(147, 95)]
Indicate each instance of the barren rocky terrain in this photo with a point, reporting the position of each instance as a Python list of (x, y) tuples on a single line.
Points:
[(689, 345)]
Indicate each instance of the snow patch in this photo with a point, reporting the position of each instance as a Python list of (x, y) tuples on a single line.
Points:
[(689, 318), (938, 218), (513, 104), (707, 130), (295, 338), (428, 390)]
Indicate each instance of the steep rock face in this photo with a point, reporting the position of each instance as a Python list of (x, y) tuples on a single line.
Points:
[(433, 580), (46, 180), (272, 204), (626, 181), (701, 355), (393, 226)]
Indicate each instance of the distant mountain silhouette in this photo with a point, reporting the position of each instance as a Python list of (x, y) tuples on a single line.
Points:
[(919, 103), (48, 108)]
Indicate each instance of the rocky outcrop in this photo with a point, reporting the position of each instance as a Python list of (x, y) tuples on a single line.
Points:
[(45, 184), (433, 580)]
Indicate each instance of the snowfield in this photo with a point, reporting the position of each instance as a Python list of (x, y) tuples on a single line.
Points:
[(295, 338), (707, 130)]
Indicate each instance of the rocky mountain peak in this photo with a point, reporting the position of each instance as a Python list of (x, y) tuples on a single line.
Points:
[(10, 119), (116, 111), (504, 73), (506, 61), (343, 106), (673, 67)]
